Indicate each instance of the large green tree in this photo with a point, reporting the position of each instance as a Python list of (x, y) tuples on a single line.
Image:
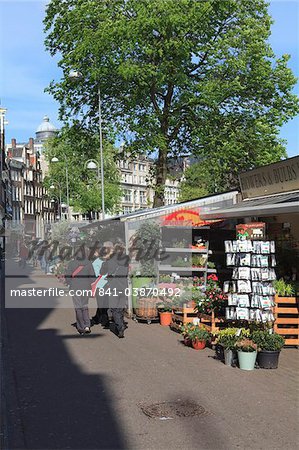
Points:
[(176, 77), (75, 146)]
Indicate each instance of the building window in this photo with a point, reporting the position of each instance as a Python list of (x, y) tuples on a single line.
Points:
[(127, 195), (127, 209), (142, 196)]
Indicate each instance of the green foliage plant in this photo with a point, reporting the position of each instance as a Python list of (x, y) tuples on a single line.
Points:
[(227, 338), (198, 333), (268, 341), (284, 289)]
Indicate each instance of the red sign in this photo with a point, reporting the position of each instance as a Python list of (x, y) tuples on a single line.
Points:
[(186, 217), (253, 230)]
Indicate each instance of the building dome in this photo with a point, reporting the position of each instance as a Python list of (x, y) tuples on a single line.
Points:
[(45, 130)]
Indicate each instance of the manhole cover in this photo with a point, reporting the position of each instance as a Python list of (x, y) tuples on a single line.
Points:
[(170, 410)]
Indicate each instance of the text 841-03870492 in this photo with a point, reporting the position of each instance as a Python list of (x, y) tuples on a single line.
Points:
[(144, 292)]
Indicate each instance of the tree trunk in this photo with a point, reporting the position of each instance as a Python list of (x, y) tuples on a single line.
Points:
[(160, 178)]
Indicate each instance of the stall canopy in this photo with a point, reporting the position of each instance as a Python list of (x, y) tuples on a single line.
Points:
[(271, 205), (195, 208)]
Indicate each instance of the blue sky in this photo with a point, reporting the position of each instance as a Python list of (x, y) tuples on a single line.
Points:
[(26, 69)]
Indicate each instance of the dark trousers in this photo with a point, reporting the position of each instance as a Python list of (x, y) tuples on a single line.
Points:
[(101, 316), (118, 317)]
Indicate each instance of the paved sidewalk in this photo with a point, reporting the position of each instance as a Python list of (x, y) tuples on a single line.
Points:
[(76, 392)]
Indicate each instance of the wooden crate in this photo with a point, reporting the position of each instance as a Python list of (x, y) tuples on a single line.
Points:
[(211, 322), (182, 315), (286, 314)]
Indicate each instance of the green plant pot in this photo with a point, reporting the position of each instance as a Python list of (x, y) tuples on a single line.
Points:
[(137, 283), (246, 360)]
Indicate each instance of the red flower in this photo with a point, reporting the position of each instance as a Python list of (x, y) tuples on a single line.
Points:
[(213, 277)]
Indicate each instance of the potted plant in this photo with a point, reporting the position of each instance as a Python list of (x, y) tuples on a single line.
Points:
[(213, 299), (199, 260), (228, 338), (165, 312), (247, 353), (185, 330), (284, 289), (199, 336), (269, 346)]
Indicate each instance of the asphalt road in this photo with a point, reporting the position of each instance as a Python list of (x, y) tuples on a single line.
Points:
[(65, 391)]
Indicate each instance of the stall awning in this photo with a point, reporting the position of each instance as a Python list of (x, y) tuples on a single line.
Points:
[(259, 207)]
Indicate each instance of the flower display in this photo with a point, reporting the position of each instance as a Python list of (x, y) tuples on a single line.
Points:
[(213, 298)]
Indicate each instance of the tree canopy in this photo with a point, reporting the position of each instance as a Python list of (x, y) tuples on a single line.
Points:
[(74, 146), (176, 77)]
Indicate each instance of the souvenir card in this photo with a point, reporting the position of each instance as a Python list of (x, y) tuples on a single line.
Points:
[(265, 247), (244, 286), (272, 274), (226, 287), (256, 246), (257, 287), (255, 301), (272, 246), (265, 302), (252, 314), (244, 273), (264, 261), (235, 274), (244, 259), (244, 246), (232, 299), (243, 300), (265, 274), (242, 313), (228, 246), (230, 313), (231, 259), (255, 273)]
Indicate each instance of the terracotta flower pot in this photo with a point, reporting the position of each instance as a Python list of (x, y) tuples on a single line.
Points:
[(165, 318), (198, 345)]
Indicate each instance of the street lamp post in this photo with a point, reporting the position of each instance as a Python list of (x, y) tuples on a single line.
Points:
[(92, 164), (75, 75), (60, 201), (55, 160)]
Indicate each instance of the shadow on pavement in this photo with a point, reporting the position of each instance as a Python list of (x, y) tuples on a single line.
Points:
[(59, 406)]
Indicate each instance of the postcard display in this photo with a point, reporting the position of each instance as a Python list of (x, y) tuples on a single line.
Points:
[(250, 291)]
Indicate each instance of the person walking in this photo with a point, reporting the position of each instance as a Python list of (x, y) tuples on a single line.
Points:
[(23, 255), (79, 276), (117, 268), (101, 315)]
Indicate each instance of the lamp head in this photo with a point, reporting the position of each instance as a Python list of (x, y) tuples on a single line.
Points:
[(92, 165), (75, 75)]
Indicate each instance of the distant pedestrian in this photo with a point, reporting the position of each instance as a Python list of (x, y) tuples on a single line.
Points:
[(79, 276), (23, 255)]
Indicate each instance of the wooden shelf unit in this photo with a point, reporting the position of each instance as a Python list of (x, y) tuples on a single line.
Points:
[(286, 323)]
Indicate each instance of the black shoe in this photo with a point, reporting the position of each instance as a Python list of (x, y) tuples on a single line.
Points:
[(87, 330), (121, 334), (94, 321)]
